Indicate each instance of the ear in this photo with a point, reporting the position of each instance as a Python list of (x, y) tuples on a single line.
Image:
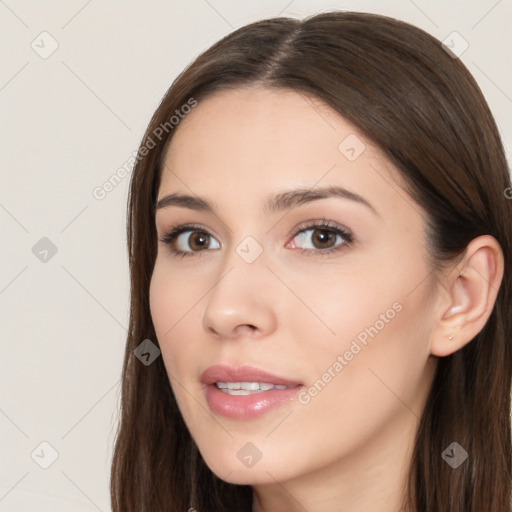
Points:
[(469, 295)]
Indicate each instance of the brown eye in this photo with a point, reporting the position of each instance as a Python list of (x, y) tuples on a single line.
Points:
[(322, 238), (187, 240), (198, 241)]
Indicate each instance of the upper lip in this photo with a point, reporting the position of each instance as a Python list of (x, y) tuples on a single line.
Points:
[(225, 373)]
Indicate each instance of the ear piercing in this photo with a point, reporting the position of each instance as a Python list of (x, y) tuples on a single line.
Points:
[(450, 337)]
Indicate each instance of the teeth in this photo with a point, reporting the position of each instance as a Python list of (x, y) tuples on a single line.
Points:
[(246, 388)]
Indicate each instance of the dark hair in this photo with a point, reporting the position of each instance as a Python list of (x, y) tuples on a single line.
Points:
[(422, 107)]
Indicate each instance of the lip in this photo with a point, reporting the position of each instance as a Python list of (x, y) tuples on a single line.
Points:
[(245, 407), (225, 373)]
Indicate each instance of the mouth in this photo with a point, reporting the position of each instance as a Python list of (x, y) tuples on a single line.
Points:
[(247, 388), (244, 393)]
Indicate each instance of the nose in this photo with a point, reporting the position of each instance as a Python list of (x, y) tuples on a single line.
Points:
[(243, 300)]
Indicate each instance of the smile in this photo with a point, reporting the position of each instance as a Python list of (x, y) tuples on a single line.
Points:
[(247, 388)]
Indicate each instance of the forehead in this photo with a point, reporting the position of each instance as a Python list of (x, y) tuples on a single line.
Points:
[(264, 115), (253, 140)]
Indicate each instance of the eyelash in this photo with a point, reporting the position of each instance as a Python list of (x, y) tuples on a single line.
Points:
[(323, 225)]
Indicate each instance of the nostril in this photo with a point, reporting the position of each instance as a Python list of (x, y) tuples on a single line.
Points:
[(212, 331), (241, 329)]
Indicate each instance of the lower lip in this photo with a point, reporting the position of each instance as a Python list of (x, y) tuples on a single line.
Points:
[(244, 407)]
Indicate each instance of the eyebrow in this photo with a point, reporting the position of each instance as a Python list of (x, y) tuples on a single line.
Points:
[(277, 203)]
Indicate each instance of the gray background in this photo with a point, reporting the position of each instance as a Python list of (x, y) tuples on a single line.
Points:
[(70, 119)]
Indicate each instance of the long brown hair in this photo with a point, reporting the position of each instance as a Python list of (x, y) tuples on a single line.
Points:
[(422, 107)]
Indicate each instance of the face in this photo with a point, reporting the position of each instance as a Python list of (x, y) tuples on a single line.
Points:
[(329, 294)]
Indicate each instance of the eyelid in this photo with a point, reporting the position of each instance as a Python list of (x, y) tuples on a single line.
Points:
[(321, 223)]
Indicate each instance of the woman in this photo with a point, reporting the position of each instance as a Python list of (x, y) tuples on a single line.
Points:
[(320, 242)]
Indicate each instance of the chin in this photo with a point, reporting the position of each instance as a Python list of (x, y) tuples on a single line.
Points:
[(229, 468)]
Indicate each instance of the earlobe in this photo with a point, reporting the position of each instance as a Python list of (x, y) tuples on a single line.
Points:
[(472, 292)]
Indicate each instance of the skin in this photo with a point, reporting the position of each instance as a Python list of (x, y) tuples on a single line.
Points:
[(349, 447)]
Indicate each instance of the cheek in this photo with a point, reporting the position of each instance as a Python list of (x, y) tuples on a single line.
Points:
[(171, 303), (343, 307), (172, 295), (379, 321), (174, 317), (379, 357)]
